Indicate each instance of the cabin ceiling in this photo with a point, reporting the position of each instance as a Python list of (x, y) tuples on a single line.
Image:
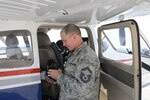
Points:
[(69, 11)]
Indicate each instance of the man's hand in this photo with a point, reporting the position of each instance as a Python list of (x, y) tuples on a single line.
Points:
[(53, 73)]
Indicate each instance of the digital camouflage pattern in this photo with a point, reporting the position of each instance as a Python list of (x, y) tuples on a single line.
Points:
[(80, 80)]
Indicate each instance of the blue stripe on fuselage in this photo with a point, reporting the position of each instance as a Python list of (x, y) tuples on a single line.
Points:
[(30, 92)]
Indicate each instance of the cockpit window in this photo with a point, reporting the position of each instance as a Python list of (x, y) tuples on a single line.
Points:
[(56, 37), (15, 49), (117, 42), (145, 50)]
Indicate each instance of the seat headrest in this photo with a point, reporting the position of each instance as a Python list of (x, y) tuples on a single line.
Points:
[(43, 39), (11, 40)]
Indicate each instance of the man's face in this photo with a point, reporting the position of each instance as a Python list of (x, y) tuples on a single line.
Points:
[(68, 41)]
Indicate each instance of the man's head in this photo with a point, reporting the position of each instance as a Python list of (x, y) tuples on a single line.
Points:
[(71, 37)]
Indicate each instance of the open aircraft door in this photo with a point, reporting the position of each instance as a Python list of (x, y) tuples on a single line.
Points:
[(120, 76)]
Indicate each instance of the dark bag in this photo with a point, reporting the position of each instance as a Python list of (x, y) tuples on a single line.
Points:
[(50, 89)]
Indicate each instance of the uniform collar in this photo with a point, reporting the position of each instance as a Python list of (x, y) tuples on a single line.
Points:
[(83, 45)]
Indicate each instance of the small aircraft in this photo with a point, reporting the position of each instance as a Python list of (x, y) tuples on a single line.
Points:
[(110, 27)]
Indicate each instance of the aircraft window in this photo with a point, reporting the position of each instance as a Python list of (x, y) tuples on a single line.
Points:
[(143, 23), (54, 34), (117, 42), (145, 51), (56, 37), (15, 49), (145, 58)]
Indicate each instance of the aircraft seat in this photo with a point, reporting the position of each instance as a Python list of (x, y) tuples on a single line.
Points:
[(85, 39), (50, 91), (12, 49), (45, 51)]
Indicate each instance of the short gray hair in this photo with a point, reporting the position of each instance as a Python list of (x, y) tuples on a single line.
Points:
[(70, 28)]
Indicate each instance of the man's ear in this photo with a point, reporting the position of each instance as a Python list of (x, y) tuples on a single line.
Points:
[(74, 36)]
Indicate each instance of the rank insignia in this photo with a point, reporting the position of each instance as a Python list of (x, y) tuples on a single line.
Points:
[(85, 75)]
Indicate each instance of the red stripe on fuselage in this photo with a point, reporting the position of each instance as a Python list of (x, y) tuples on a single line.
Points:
[(125, 60), (19, 72)]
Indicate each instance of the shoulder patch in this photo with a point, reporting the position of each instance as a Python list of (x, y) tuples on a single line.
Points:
[(85, 75)]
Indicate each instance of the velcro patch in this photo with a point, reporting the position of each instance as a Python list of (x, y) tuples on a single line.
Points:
[(85, 75)]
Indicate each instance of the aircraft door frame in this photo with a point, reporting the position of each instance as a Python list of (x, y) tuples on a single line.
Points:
[(120, 80)]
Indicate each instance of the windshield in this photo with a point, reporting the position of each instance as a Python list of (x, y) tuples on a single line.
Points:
[(143, 23)]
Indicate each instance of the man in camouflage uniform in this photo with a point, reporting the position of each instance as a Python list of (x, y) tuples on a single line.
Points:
[(80, 78)]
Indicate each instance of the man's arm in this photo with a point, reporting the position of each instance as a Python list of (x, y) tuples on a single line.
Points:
[(85, 78)]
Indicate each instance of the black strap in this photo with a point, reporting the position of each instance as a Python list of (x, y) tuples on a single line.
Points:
[(58, 54)]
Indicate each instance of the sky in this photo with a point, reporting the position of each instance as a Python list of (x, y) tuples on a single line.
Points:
[(144, 25)]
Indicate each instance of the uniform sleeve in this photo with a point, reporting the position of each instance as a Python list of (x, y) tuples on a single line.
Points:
[(85, 76)]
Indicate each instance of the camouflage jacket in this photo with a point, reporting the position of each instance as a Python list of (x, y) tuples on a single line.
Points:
[(80, 80)]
